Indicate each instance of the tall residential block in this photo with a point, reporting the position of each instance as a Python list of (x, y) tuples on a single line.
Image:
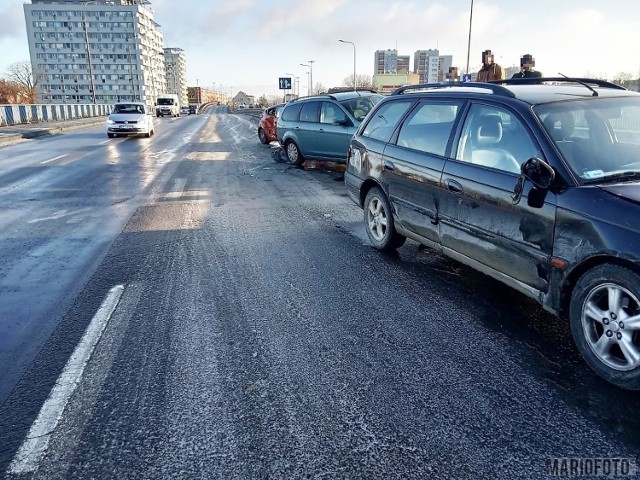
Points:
[(97, 51), (176, 73), (388, 61), (431, 66)]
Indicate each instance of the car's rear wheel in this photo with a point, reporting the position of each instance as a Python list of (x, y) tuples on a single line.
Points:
[(293, 153), (262, 136), (378, 220), (605, 322)]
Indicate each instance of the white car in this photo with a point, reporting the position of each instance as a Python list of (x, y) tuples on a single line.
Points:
[(130, 118), (184, 111)]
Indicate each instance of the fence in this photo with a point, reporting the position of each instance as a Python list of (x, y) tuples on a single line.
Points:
[(22, 114)]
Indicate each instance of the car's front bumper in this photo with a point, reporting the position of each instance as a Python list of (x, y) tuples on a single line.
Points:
[(121, 130)]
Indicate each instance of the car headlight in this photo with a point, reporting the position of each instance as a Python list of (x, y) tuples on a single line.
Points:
[(110, 122)]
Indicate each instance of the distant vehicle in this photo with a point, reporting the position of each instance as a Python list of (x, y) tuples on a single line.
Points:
[(130, 118), (268, 124), (534, 182), (320, 127), (167, 104), (184, 111), (193, 109)]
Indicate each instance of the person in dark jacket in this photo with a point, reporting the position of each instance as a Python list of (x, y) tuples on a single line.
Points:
[(527, 62)]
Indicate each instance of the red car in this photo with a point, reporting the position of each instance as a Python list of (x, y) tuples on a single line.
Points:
[(267, 128)]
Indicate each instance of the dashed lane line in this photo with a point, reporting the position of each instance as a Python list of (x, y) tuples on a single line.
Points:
[(36, 443)]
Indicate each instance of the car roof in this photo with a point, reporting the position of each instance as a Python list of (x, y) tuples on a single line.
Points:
[(545, 90), (130, 103), (338, 96)]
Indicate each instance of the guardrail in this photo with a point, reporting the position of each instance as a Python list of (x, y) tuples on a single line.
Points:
[(24, 114)]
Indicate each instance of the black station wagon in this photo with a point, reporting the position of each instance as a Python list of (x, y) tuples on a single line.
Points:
[(536, 184)]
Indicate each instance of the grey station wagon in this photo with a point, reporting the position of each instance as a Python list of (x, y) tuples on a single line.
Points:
[(320, 127)]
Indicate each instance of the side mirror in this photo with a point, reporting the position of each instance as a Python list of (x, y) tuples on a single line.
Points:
[(539, 172)]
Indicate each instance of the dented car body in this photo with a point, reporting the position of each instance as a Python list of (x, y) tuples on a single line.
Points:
[(536, 184)]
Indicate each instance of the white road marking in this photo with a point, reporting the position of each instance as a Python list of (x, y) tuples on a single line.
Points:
[(36, 443), (59, 214), (53, 159), (102, 143)]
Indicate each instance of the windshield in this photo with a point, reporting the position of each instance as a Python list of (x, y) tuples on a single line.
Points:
[(599, 138), (359, 107), (128, 108), (166, 101)]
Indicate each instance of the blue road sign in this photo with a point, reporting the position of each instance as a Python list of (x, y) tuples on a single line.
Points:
[(466, 77), (285, 83)]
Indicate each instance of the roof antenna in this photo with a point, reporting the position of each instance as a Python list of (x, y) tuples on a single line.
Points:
[(594, 94)]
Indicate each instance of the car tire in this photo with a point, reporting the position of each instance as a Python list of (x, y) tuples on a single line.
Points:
[(111, 135), (262, 135), (148, 134), (604, 304), (293, 153), (378, 221)]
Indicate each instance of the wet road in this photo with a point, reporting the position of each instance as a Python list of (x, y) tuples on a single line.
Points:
[(256, 334)]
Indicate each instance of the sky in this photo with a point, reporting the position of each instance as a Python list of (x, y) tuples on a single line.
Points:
[(246, 45)]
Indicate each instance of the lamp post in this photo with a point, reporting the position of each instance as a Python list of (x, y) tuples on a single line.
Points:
[(86, 41), (354, 62), (293, 86), (310, 67), (469, 42)]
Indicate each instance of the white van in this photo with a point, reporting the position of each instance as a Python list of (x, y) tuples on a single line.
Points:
[(167, 104)]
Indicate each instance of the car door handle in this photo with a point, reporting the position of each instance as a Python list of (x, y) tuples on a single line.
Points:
[(453, 186), (389, 166)]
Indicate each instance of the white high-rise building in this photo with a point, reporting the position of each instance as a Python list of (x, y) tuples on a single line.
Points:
[(97, 51), (176, 73), (431, 66)]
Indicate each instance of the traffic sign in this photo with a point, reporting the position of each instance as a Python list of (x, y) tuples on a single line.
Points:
[(285, 83), (466, 77)]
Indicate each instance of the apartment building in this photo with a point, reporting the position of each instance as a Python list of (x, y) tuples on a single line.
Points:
[(431, 66), (388, 61), (176, 73), (99, 51)]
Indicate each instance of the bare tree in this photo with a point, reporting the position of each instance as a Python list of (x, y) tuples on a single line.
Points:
[(362, 81), (319, 88), (9, 92), (622, 78), (21, 74)]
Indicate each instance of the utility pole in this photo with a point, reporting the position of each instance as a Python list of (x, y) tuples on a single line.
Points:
[(86, 41)]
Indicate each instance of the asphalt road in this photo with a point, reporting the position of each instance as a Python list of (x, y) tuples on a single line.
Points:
[(256, 334)]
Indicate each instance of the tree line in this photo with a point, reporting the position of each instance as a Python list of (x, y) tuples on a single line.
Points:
[(19, 85)]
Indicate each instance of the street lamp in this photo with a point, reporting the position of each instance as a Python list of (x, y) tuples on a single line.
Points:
[(354, 62), (469, 43), (310, 67), (86, 40), (295, 79)]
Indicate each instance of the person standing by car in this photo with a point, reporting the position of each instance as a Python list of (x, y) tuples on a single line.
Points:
[(490, 70), (527, 62)]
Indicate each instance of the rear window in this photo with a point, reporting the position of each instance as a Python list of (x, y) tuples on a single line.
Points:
[(429, 127), (383, 123), (359, 107), (291, 112), (310, 112)]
